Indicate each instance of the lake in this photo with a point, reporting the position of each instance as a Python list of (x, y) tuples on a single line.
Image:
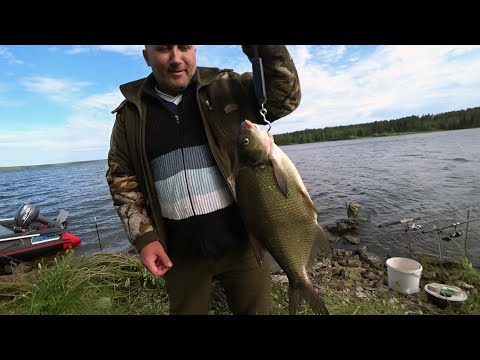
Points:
[(431, 176)]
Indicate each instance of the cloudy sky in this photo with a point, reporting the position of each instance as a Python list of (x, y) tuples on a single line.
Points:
[(55, 101)]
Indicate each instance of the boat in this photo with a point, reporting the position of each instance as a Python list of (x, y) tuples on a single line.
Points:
[(30, 235)]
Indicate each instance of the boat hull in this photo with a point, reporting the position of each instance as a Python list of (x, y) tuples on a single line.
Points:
[(27, 246)]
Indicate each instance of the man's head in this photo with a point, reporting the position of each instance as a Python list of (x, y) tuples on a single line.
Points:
[(172, 65)]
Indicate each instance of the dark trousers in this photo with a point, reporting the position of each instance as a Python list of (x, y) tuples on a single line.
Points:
[(247, 286)]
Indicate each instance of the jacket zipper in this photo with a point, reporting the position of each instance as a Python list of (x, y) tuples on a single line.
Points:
[(208, 132), (177, 120)]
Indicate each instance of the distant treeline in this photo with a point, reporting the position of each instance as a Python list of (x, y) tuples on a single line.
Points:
[(454, 120), (26, 167)]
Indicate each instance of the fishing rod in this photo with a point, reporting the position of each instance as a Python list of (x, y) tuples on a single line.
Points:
[(452, 235), (455, 233), (407, 220), (414, 226), (402, 221), (466, 232), (454, 225), (98, 235)]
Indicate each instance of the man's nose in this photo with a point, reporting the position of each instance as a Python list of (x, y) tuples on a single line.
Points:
[(175, 55)]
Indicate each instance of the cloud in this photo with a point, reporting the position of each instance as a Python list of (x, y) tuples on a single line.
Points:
[(135, 50), (85, 134), (301, 53), (58, 89), (11, 102), (78, 49), (341, 85), (51, 145), (106, 101), (129, 50), (381, 83), (7, 55)]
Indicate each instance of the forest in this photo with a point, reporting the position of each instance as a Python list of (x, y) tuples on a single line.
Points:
[(453, 120)]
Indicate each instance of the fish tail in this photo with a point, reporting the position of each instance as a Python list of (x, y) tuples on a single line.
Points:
[(307, 293)]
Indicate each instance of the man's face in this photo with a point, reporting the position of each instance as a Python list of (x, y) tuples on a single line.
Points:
[(172, 65)]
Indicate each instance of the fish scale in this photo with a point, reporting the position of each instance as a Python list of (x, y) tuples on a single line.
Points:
[(285, 224)]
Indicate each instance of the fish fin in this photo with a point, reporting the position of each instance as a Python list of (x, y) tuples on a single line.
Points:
[(306, 292), (257, 248), (280, 176), (308, 200), (321, 246)]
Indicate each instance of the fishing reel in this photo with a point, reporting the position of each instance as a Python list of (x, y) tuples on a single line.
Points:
[(413, 226), (456, 233)]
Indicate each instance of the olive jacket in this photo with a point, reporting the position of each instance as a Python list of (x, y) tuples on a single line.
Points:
[(225, 99)]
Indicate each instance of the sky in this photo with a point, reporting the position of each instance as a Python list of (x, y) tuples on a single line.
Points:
[(56, 101)]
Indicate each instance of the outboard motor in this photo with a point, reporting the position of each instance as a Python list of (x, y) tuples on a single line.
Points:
[(28, 214)]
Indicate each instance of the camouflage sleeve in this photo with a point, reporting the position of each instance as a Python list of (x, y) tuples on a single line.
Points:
[(128, 199), (281, 79)]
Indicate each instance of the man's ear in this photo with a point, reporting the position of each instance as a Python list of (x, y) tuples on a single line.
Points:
[(145, 56)]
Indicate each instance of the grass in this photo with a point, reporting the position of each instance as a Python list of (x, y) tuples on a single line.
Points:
[(97, 284), (116, 284), (456, 272)]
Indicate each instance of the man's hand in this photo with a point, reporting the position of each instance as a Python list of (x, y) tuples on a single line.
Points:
[(155, 259)]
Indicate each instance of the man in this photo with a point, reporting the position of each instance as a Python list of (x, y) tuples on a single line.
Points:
[(172, 166)]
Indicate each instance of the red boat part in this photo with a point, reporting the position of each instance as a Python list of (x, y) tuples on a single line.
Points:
[(72, 240)]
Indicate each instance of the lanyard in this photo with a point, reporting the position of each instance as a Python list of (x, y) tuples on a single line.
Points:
[(259, 84)]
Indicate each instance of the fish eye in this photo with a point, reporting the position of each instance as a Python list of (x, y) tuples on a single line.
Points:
[(245, 141)]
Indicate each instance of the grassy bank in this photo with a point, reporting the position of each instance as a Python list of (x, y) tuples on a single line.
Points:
[(118, 284)]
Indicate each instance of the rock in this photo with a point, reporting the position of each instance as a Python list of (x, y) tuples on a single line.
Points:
[(371, 259), (339, 285), (338, 253), (370, 275), (338, 271), (465, 285), (360, 295), (318, 265), (429, 275), (280, 279), (342, 227), (369, 283), (352, 239), (354, 263)]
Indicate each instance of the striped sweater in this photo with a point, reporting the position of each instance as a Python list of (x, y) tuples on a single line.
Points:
[(200, 213)]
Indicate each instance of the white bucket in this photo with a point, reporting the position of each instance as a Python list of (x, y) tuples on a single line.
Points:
[(404, 275)]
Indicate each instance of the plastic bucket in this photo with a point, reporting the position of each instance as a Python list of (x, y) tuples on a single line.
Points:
[(404, 275)]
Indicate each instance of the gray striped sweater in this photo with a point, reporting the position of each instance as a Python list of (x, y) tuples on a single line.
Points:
[(200, 213)]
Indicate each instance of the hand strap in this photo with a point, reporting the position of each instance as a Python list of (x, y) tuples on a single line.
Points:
[(259, 84)]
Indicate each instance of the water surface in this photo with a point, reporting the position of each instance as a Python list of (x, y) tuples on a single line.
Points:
[(433, 176)]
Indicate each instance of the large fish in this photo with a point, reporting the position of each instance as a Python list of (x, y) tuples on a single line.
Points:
[(278, 213)]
